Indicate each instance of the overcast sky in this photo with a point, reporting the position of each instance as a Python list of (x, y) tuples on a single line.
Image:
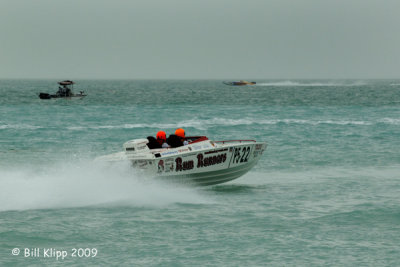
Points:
[(203, 39)]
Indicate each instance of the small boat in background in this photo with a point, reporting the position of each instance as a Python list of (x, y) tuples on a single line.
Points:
[(240, 83), (64, 91)]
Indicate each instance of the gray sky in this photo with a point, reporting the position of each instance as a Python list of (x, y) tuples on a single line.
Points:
[(203, 39)]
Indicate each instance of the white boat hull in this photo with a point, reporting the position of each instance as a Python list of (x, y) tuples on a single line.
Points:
[(202, 163)]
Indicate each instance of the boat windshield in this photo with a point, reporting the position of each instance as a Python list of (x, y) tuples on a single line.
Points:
[(195, 139)]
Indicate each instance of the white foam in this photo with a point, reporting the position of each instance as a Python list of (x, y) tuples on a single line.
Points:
[(19, 127), (202, 124), (390, 121), (123, 126), (85, 184), (193, 123)]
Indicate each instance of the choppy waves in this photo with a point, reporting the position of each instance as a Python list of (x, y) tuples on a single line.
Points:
[(391, 121), (19, 126), (202, 124), (215, 122)]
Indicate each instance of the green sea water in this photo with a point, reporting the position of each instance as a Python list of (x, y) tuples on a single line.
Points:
[(325, 192)]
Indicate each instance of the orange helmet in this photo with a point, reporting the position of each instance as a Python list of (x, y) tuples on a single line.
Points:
[(161, 135), (180, 132)]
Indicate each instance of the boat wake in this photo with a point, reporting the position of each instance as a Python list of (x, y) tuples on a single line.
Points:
[(310, 84), (85, 184)]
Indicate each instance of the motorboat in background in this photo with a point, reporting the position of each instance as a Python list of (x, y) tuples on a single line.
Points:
[(201, 162), (64, 91), (240, 83)]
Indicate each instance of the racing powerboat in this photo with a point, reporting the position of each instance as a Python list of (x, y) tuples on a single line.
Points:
[(201, 162), (240, 83), (64, 91)]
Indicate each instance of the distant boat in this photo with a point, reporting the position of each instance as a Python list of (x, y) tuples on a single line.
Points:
[(64, 91), (239, 83)]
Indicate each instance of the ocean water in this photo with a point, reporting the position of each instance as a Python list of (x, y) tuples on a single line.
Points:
[(325, 192)]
